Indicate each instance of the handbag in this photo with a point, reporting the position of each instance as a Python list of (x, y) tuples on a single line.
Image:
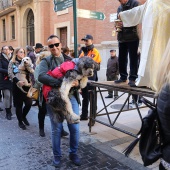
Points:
[(33, 93), (149, 137)]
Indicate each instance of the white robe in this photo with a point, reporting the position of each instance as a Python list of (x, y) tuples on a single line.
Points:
[(155, 18)]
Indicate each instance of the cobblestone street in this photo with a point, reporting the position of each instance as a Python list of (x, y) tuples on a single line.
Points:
[(25, 150)]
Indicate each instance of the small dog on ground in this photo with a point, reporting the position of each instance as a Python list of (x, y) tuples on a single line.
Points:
[(25, 68), (59, 98)]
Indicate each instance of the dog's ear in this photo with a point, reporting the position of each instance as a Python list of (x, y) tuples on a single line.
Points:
[(96, 66), (21, 66)]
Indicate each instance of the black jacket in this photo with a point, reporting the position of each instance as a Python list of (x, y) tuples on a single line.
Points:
[(128, 33), (112, 67), (5, 83), (163, 107)]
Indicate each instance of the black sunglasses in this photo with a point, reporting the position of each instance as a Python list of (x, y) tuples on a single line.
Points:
[(52, 45)]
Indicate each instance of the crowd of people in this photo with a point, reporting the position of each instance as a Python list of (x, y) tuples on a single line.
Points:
[(44, 60)]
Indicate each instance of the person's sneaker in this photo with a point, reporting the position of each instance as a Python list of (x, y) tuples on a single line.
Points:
[(115, 97), (140, 104), (132, 104), (26, 121), (109, 96), (22, 126), (56, 161), (75, 159), (42, 133), (83, 118), (132, 83), (8, 116), (119, 81), (64, 133)]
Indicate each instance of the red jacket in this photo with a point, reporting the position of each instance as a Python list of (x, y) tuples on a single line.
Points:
[(58, 72)]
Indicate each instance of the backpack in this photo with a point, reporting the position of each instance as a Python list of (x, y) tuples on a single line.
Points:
[(149, 137)]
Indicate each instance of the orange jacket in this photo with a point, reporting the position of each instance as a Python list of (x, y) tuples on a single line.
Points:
[(94, 54)]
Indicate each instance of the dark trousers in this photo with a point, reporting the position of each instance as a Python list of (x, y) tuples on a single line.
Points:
[(85, 101), (41, 114), (130, 48), (21, 99), (110, 92)]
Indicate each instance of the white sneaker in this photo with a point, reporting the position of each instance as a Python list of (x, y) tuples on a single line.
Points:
[(132, 104), (140, 104)]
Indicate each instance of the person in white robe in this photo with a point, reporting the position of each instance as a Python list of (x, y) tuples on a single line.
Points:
[(155, 18)]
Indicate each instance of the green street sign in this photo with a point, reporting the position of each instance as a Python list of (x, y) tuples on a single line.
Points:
[(60, 5), (90, 14)]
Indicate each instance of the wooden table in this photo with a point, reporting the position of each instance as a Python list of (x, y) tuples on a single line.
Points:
[(100, 87)]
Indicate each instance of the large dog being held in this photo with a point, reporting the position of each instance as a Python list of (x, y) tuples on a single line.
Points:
[(59, 98), (25, 68)]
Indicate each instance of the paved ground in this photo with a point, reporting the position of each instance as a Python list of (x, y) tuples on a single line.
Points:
[(25, 150)]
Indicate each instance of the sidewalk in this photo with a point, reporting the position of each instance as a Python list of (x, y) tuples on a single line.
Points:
[(100, 149)]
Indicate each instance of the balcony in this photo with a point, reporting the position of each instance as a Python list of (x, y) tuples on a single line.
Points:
[(6, 6)]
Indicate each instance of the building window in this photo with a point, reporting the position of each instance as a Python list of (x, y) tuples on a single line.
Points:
[(30, 28), (12, 27), (4, 29)]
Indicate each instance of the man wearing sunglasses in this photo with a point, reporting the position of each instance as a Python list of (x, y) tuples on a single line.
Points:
[(90, 51), (49, 63)]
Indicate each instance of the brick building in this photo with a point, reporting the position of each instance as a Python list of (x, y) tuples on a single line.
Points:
[(26, 22)]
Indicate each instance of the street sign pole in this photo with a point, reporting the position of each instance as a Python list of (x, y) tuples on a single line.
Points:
[(75, 26)]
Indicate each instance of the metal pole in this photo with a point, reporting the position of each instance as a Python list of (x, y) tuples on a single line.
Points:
[(75, 26)]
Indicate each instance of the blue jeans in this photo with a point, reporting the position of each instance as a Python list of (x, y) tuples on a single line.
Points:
[(57, 127)]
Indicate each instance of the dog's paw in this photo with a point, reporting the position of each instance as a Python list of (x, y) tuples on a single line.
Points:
[(71, 119)]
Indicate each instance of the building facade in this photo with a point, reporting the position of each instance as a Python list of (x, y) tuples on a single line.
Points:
[(26, 22)]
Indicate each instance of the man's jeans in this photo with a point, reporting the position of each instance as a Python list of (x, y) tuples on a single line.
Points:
[(57, 129)]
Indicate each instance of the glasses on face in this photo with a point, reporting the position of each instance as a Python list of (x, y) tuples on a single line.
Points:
[(52, 45), (21, 52), (5, 49)]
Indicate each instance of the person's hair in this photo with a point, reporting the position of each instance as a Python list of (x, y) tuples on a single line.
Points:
[(11, 48), (29, 48), (41, 55), (15, 54), (163, 74), (72, 54), (52, 36), (66, 50), (3, 47)]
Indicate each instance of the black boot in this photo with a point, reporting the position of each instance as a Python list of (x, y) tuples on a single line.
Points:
[(42, 133), (8, 113)]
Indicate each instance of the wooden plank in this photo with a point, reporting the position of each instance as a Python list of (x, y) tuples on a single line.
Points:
[(124, 87)]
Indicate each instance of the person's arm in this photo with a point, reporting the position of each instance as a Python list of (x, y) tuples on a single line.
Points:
[(11, 74), (133, 16), (46, 79)]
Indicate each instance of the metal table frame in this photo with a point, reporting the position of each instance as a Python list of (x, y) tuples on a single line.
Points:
[(93, 104)]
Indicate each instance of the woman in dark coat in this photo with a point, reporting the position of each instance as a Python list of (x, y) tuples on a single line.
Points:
[(5, 83), (22, 102), (163, 106)]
